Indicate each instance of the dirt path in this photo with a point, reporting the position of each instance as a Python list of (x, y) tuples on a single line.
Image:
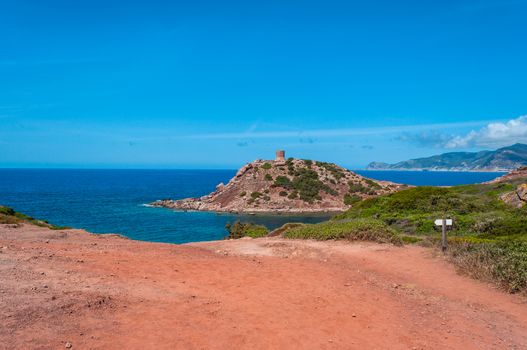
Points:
[(96, 291)]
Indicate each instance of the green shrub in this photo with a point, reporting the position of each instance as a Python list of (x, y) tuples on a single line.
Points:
[(282, 193), (239, 230), (255, 195), (268, 177), (293, 195), (372, 183), (351, 199), (7, 211), (267, 166), (332, 168), (283, 181), (356, 187), (308, 185), (362, 229), (10, 216)]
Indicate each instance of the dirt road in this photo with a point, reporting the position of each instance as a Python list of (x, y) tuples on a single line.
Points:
[(72, 289)]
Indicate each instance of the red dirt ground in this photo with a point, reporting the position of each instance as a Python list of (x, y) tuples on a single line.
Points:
[(62, 288)]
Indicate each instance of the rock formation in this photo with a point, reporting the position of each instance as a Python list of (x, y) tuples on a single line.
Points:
[(286, 186), (516, 198)]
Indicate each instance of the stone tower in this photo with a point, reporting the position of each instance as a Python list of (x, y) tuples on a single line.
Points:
[(280, 156)]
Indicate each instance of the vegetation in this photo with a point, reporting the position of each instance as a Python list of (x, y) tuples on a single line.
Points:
[(283, 228), (372, 183), (355, 187), (337, 172), (12, 217), (504, 262), (282, 193), (267, 166), (488, 239), (362, 229), (241, 229), (351, 199), (283, 181), (243, 193), (256, 195), (306, 184), (268, 177), (308, 163)]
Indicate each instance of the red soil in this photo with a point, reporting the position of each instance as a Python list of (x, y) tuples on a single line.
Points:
[(100, 291)]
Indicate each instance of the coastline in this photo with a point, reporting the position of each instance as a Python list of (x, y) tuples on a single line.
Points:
[(443, 170), (256, 211)]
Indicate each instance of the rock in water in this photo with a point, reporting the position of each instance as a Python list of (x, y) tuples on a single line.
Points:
[(290, 186)]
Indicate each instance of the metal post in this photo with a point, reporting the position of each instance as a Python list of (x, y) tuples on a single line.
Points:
[(443, 235)]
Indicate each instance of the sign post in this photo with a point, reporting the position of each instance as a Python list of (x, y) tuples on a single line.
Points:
[(443, 223)]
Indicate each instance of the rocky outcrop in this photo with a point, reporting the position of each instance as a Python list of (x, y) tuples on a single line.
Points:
[(516, 198), (519, 174), (291, 186)]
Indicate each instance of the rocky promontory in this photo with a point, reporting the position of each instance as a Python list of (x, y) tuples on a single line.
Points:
[(502, 159), (286, 186)]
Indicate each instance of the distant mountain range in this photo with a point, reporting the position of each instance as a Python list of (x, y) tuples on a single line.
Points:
[(502, 159)]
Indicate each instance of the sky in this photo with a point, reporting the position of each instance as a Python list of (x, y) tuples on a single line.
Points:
[(215, 84)]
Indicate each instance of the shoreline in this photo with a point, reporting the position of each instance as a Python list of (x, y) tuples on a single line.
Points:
[(441, 170), (263, 212)]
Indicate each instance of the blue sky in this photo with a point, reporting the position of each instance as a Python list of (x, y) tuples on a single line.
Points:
[(209, 84)]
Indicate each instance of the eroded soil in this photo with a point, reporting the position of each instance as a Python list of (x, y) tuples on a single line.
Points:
[(72, 288)]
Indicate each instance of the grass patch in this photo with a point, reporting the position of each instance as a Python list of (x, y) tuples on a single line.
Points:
[(364, 230)]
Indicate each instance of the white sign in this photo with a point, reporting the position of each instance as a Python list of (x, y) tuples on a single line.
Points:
[(439, 222)]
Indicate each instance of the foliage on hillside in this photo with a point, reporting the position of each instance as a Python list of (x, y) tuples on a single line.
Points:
[(242, 229), (12, 217), (306, 183), (476, 210)]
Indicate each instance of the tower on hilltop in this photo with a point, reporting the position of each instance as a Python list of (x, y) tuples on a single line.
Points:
[(280, 156)]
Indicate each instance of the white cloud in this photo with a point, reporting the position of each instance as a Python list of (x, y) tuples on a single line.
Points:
[(252, 133), (492, 135)]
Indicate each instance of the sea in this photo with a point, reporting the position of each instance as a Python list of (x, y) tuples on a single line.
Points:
[(114, 201)]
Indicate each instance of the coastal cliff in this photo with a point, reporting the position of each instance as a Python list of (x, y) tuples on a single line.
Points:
[(286, 186)]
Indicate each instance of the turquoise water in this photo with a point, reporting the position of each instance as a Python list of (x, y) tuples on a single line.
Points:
[(112, 201)]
